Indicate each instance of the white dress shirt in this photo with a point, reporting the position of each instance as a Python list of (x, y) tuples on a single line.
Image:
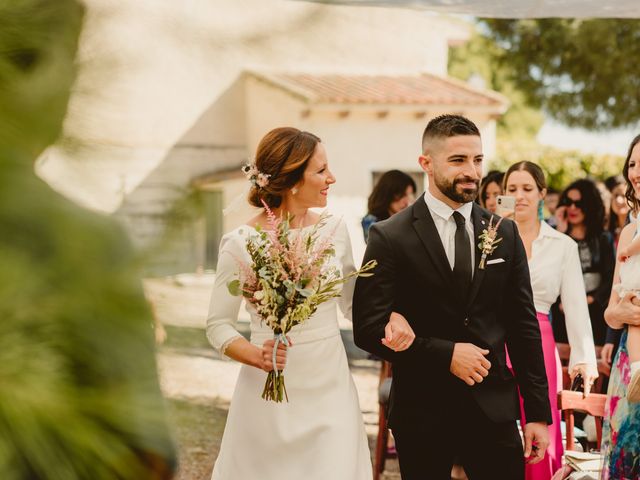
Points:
[(442, 215), (555, 271)]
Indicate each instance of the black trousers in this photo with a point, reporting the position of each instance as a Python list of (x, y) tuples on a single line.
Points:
[(488, 450)]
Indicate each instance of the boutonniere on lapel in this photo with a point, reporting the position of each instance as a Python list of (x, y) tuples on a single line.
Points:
[(489, 241)]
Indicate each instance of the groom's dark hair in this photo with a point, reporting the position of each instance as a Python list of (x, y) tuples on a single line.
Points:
[(445, 126)]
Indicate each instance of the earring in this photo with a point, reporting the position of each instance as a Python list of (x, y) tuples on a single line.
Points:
[(294, 191), (541, 210)]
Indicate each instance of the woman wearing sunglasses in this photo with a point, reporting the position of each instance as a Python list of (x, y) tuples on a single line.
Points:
[(581, 216)]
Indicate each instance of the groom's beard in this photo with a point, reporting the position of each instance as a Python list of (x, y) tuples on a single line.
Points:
[(456, 193)]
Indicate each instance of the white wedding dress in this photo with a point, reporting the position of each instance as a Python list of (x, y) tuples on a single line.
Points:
[(319, 434)]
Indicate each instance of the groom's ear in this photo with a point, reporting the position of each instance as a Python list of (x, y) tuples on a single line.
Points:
[(426, 162)]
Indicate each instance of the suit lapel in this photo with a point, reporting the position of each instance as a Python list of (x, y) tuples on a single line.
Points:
[(428, 234), (480, 222)]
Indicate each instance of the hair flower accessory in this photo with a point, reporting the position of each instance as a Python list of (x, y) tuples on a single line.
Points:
[(255, 176)]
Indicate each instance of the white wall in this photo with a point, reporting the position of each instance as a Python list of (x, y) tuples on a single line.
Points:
[(155, 73)]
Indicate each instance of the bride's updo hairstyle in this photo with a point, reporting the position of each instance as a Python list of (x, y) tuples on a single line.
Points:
[(282, 155)]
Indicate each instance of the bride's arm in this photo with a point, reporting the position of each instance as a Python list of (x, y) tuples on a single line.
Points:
[(223, 315)]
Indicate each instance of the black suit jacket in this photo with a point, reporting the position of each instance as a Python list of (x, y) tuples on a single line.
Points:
[(414, 278)]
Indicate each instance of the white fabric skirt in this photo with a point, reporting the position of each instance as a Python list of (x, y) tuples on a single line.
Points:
[(318, 435)]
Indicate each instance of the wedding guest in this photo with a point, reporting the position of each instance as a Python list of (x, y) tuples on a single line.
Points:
[(555, 271), (490, 188), (581, 216), (622, 418), (551, 204), (629, 258), (618, 207), (618, 218), (394, 192), (605, 195)]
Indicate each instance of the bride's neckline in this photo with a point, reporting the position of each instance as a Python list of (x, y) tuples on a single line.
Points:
[(253, 227)]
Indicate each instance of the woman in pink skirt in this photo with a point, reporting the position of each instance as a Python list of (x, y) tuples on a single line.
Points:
[(555, 271)]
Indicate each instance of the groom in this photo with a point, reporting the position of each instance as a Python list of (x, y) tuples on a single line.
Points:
[(452, 391)]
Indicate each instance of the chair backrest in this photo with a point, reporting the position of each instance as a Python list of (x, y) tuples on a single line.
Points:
[(593, 404)]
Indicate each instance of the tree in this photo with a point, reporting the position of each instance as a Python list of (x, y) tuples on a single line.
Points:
[(580, 72), (477, 57), (560, 166), (80, 397)]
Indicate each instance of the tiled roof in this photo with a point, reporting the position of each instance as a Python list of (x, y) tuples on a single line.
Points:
[(423, 89)]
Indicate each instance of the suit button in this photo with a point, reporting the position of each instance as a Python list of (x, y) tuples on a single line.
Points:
[(466, 322)]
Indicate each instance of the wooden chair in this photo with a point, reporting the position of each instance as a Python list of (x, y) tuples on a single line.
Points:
[(382, 452), (594, 405)]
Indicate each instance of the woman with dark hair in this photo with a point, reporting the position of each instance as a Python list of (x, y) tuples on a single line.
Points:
[(581, 216), (619, 208), (622, 417), (490, 188), (555, 272), (394, 192)]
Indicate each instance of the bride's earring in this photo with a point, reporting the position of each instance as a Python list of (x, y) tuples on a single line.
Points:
[(294, 191)]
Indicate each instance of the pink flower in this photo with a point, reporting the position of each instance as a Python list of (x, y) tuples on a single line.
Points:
[(625, 372), (613, 404)]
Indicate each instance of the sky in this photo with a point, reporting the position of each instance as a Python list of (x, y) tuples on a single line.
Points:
[(614, 141)]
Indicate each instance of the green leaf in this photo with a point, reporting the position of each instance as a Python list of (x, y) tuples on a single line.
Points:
[(234, 288)]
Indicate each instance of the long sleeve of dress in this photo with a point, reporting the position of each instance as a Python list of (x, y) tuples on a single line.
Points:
[(576, 310), (224, 307), (346, 298)]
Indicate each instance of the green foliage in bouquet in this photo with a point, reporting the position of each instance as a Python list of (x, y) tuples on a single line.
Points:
[(79, 395)]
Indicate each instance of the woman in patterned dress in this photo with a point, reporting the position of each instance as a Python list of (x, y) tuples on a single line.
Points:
[(622, 418)]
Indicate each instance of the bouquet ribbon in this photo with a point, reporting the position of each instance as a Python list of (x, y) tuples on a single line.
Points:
[(279, 338)]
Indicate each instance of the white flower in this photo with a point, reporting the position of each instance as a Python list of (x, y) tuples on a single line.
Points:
[(258, 295), (262, 180)]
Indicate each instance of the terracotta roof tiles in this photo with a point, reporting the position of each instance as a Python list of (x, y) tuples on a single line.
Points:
[(423, 89)]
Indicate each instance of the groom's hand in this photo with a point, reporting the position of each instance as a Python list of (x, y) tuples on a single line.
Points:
[(536, 441), (469, 363)]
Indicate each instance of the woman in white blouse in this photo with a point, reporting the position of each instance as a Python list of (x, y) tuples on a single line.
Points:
[(555, 271)]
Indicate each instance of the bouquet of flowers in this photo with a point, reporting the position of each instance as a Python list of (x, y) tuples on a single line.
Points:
[(288, 278)]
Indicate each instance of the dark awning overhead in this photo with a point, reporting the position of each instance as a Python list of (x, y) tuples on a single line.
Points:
[(513, 8)]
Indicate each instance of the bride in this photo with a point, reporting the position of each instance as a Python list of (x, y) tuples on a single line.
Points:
[(319, 433)]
